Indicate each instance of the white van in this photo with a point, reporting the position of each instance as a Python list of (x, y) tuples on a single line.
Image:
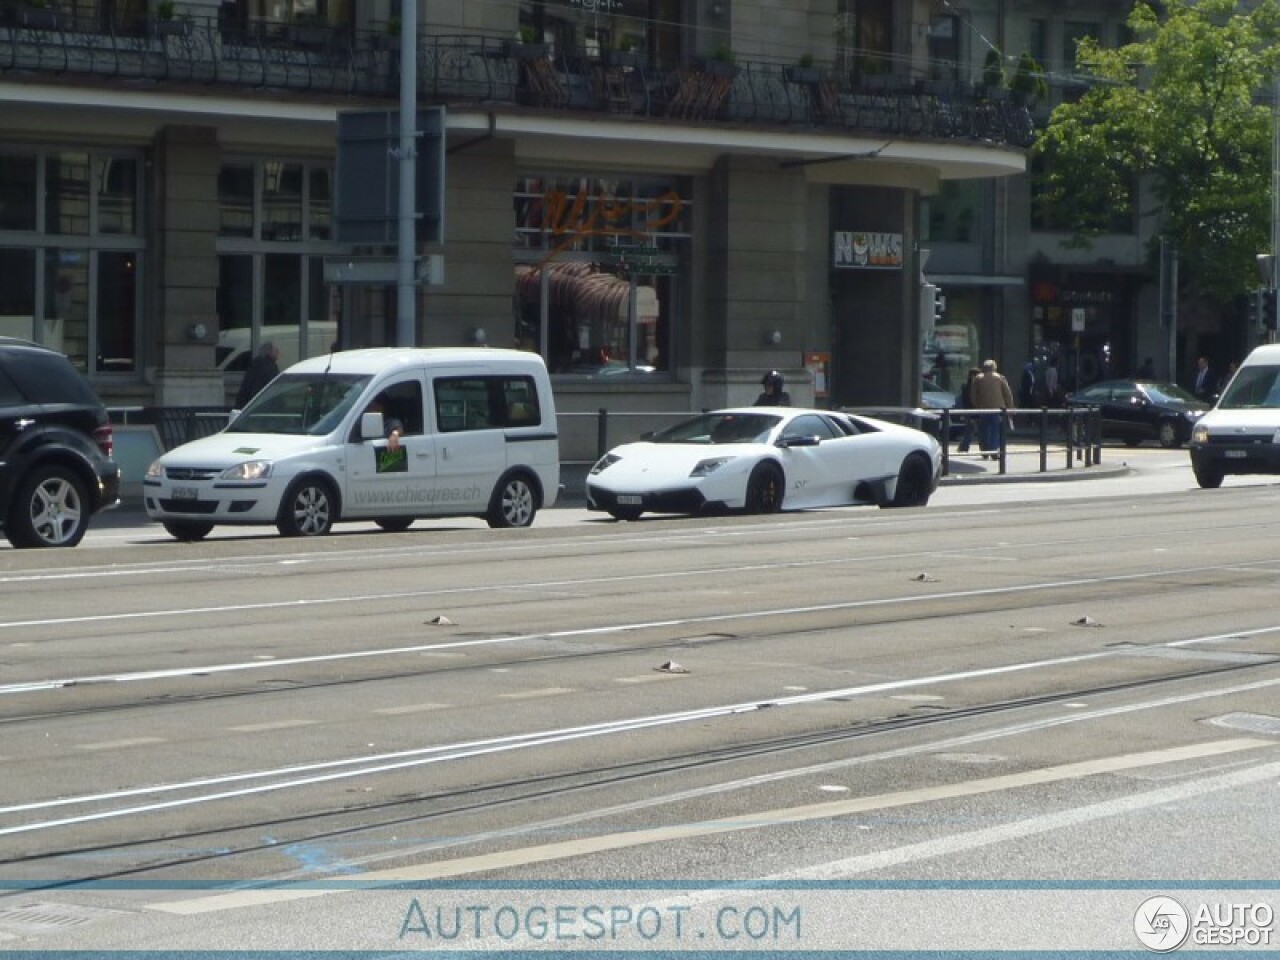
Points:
[(475, 430), (1241, 434)]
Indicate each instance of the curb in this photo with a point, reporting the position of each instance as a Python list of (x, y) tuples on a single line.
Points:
[(1060, 475)]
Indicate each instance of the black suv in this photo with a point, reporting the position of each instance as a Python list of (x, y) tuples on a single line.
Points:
[(56, 469)]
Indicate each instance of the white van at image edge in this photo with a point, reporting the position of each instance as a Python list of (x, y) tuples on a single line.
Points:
[(477, 437), (1241, 434)]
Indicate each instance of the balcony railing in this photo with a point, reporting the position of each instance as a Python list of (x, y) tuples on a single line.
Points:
[(462, 69)]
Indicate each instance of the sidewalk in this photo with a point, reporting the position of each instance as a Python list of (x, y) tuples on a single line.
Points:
[(1022, 465)]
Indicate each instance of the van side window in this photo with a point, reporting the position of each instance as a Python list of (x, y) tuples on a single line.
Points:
[(487, 402), (403, 402)]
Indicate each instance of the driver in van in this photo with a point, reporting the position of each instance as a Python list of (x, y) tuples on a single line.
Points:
[(392, 426)]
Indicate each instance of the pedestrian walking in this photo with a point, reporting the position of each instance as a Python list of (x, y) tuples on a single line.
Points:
[(991, 392), (264, 368)]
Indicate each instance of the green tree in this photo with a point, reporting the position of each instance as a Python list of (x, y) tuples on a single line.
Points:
[(1187, 106)]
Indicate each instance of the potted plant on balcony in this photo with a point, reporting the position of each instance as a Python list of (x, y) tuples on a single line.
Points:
[(803, 72), (1028, 83), (627, 54), (165, 23), (526, 45), (720, 63)]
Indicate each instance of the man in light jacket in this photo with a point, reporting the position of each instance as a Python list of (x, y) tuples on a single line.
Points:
[(990, 391)]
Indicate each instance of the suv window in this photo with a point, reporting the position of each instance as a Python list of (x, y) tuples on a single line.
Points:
[(10, 395), (47, 377)]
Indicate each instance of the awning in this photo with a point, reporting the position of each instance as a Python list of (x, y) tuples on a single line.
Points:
[(974, 280)]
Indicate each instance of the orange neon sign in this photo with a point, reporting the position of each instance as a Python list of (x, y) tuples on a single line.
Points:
[(573, 217)]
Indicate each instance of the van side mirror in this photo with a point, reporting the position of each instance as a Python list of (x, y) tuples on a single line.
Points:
[(371, 427)]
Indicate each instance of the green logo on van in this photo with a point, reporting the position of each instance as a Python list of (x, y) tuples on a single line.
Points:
[(391, 461)]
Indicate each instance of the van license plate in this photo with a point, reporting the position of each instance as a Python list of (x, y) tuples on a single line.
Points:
[(1235, 454), (630, 500), (185, 493)]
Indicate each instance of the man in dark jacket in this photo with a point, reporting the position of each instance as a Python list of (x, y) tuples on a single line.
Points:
[(262, 370)]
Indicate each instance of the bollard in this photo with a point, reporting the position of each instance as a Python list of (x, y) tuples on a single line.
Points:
[(1044, 439), (602, 432), (946, 441)]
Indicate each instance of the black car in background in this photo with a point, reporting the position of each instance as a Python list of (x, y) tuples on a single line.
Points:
[(1137, 410), (56, 469)]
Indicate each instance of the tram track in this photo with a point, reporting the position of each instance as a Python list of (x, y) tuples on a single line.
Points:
[(353, 820)]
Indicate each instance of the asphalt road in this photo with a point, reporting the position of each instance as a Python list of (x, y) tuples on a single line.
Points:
[(1000, 722)]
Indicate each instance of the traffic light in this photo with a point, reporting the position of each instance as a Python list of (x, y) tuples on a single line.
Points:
[(1269, 311)]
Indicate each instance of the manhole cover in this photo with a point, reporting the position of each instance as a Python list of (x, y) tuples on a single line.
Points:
[(37, 918)]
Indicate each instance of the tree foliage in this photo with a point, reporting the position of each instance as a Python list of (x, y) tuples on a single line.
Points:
[(1186, 105)]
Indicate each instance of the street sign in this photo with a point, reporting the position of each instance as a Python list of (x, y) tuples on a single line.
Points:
[(383, 271), (367, 198)]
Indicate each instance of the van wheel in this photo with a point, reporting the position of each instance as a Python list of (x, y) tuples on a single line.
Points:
[(513, 503), (395, 524), (308, 509), (187, 530), (51, 509)]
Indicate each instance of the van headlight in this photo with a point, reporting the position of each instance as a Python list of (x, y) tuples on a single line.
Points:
[(155, 471), (249, 470), (1200, 435)]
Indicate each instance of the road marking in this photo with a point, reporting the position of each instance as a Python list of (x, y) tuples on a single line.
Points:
[(267, 727), (606, 630), (585, 846), (412, 708), (647, 678), (120, 744), (535, 694)]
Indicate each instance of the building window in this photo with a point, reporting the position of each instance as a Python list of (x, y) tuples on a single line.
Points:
[(72, 255), (276, 225), (1072, 33), (952, 215), (598, 263)]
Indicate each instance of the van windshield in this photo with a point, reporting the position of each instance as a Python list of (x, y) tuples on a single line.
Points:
[(311, 404), (1253, 388)]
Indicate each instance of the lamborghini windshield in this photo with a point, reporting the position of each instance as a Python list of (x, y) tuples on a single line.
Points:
[(721, 428), (302, 403)]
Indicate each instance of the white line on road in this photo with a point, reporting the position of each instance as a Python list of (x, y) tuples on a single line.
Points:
[(33, 686)]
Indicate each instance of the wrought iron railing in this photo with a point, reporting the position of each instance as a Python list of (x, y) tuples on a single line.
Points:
[(460, 69)]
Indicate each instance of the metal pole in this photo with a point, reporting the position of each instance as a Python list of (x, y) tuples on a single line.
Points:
[(406, 288), (1275, 187)]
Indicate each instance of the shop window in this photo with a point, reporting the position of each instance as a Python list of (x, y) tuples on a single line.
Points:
[(67, 194), (235, 313), (117, 179), (321, 203), (282, 201), (67, 288), (117, 312), (66, 303), (17, 293), (235, 201), (17, 193), (598, 263)]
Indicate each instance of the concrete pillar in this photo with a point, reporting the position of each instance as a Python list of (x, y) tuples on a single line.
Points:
[(185, 318)]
